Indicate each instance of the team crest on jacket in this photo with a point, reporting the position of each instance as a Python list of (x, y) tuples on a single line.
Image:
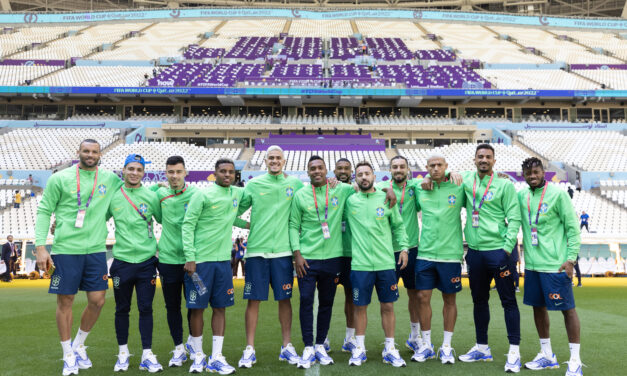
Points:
[(544, 208), (452, 199), (489, 196), (289, 192), (235, 203), (334, 201), (102, 189), (143, 208), (380, 212), (185, 206), (411, 192)]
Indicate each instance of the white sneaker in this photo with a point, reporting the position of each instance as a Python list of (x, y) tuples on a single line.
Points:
[(424, 353), (190, 349), (121, 363), (219, 365), (150, 364), (445, 353), (349, 344), (575, 368), (289, 354), (70, 364), (476, 355), (541, 361), (392, 357), (322, 357), (198, 365), (308, 359), (413, 344), (358, 357), (513, 363), (81, 357), (327, 345), (178, 358), (248, 358)]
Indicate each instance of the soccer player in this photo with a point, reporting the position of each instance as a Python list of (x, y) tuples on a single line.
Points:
[(373, 225), (551, 239), (489, 202), (405, 190), (79, 197), (174, 201), (315, 236), (344, 173), (439, 256), (207, 231), (268, 253), (133, 207)]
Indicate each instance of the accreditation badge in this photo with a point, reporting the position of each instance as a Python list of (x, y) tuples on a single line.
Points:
[(534, 236), (325, 230), (80, 218), (475, 219)]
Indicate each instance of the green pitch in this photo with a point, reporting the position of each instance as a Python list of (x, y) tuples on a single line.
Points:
[(31, 346)]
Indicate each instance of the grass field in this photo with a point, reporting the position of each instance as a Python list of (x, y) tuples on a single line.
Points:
[(31, 347)]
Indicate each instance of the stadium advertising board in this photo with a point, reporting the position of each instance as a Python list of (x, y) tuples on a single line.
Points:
[(427, 15)]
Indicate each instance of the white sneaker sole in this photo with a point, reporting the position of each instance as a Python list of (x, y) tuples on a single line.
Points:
[(246, 365), (154, 370), (395, 365), (74, 372)]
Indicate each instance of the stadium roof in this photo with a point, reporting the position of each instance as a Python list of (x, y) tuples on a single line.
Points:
[(587, 8)]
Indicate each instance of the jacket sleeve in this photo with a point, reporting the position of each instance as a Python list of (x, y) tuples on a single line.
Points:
[(571, 225), (47, 206), (512, 213), (157, 214), (189, 226), (398, 229), (238, 222), (296, 215), (247, 199)]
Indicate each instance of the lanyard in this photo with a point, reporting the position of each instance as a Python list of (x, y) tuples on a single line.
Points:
[(546, 184), (474, 191), (326, 205), (78, 188), (133, 205), (174, 195), (400, 205)]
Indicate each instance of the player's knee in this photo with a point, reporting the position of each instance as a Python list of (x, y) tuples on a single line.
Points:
[(96, 303), (450, 303), (387, 308), (65, 302)]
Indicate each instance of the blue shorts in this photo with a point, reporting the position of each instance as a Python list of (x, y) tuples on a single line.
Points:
[(551, 290), (409, 279), (79, 272), (363, 283), (446, 276), (345, 274), (261, 272), (218, 279)]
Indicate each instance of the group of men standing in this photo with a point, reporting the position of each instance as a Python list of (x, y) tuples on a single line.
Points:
[(363, 236)]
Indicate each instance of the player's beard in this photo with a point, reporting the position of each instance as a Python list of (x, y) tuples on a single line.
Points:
[(89, 164), (370, 184), (399, 180)]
